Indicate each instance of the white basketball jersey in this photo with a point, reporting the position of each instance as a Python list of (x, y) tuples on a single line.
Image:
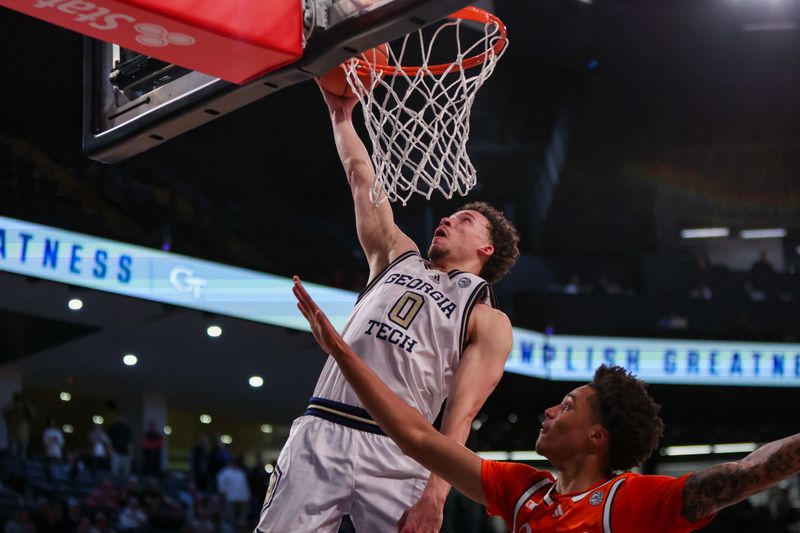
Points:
[(410, 326)]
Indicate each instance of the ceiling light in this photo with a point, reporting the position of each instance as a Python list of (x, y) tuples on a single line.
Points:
[(65, 396), (698, 449), (526, 455), (477, 424), (268, 468), (256, 381), (512, 418), (704, 233), (768, 233), (130, 359), (226, 439), (266, 428), (67, 428), (780, 25), (97, 419), (739, 447), (495, 456), (708, 449), (205, 419), (167, 430), (214, 331), (75, 304)]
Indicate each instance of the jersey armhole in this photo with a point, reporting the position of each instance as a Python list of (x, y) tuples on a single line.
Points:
[(385, 271)]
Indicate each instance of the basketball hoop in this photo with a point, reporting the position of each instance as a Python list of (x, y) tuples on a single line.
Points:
[(417, 117)]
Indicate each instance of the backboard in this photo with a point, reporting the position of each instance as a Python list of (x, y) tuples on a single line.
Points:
[(133, 102)]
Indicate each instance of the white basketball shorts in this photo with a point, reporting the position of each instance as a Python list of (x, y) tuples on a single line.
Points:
[(328, 469)]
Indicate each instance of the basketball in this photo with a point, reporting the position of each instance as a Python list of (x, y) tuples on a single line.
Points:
[(335, 81)]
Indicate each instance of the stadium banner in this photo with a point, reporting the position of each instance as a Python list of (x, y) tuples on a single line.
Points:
[(82, 260), (695, 362), (105, 265)]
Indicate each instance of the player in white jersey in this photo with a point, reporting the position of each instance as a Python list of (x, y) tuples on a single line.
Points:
[(429, 329)]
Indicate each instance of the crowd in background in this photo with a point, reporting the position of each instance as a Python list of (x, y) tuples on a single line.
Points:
[(100, 488)]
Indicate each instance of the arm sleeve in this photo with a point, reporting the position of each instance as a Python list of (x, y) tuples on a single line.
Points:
[(648, 501), (503, 484)]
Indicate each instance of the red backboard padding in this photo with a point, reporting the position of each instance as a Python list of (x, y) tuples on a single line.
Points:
[(236, 40)]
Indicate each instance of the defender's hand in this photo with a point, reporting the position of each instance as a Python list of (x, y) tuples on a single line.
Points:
[(324, 333)]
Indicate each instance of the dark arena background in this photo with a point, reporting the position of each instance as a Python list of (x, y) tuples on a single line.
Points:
[(648, 151)]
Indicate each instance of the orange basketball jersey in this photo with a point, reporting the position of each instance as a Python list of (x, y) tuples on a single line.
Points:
[(628, 503)]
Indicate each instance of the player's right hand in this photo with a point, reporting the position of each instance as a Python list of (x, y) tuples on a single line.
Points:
[(337, 103)]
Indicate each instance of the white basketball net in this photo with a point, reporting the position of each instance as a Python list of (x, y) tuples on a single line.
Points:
[(418, 122)]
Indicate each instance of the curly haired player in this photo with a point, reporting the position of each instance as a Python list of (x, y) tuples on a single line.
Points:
[(598, 429), (429, 328)]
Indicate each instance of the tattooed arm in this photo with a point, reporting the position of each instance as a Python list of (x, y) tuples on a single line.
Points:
[(712, 489)]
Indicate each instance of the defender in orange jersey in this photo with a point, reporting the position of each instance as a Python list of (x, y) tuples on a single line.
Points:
[(599, 429)]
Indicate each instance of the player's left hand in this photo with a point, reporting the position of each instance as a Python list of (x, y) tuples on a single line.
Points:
[(324, 333), (425, 516)]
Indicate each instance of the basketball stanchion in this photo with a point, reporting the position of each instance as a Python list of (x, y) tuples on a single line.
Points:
[(418, 116)]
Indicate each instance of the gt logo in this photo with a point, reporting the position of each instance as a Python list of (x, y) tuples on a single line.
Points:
[(157, 36), (184, 280)]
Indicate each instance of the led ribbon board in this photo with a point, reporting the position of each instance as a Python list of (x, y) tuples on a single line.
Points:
[(82, 260), (106, 265), (575, 358)]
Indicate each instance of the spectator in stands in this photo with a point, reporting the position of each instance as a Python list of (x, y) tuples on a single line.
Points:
[(701, 292), (763, 284), (199, 461), (131, 490), (173, 515), (53, 443), (200, 521), (673, 321), (100, 447), (18, 414), (21, 523), (217, 460), (101, 524), (75, 465), (573, 286), (104, 498), (258, 479), (121, 447), (132, 517), (152, 449), (762, 266), (84, 525), (609, 287), (190, 497), (69, 522), (43, 516), (151, 494), (232, 484)]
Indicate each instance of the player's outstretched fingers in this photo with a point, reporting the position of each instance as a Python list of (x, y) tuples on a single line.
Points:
[(322, 329)]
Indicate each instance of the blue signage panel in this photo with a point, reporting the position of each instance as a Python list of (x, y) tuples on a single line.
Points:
[(106, 265), (83, 260), (575, 358)]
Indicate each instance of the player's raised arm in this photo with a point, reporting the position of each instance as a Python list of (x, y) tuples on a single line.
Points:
[(405, 425), (379, 236), (712, 489)]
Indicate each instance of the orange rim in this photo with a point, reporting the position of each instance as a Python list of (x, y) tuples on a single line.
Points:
[(467, 13)]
